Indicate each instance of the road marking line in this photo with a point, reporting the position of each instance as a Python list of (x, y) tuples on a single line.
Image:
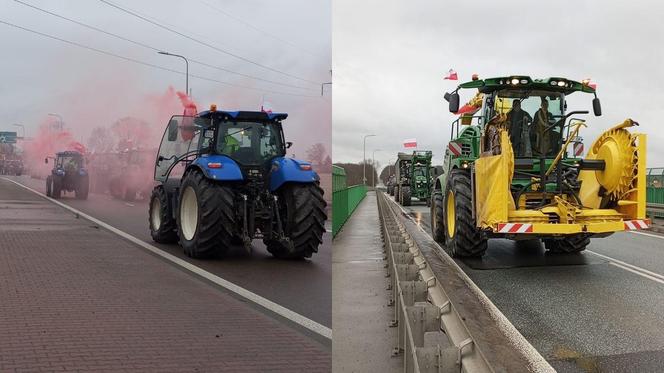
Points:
[(244, 293), (632, 268), (647, 234)]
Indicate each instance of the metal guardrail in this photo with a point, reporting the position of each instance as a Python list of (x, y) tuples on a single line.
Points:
[(655, 210), (431, 334)]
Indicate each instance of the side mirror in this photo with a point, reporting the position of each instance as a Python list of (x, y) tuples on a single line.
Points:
[(454, 102), (597, 108), (289, 144), (172, 130), (46, 160)]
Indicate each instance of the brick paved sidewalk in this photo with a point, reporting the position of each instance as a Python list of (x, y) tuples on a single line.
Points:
[(76, 297)]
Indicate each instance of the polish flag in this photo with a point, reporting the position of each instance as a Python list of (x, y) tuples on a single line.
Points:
[(591, 85), (451, 75), (410, 143)]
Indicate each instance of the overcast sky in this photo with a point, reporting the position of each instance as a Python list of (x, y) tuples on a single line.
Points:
[(390, 58), (41, 76)]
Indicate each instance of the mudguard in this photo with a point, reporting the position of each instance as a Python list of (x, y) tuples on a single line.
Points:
[(223, 168), (286, 170)]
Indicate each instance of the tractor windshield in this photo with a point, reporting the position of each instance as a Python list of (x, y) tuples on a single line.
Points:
[(72, 163), (531, 117), (250, 143)]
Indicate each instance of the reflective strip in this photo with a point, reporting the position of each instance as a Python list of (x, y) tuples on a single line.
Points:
[(515, 228), (578, 149), (631, 225), (455, 148)]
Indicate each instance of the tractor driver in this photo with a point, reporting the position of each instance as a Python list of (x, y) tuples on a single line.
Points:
[(543, 136), (518, 121)]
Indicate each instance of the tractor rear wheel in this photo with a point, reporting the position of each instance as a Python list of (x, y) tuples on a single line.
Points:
[(49, 186), (437, 214), (206, 217), (162, 224), (302, 213), (569, 244), (83, 188), (405, 196), (462, 237)]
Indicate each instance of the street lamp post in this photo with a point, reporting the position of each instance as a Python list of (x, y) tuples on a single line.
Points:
[(187, 67), (364, 158), (61, 122), (23, 127), (373, 164)]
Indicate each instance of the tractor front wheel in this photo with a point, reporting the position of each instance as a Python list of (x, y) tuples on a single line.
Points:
[(205, 218), (569, 244), (462, 237), (302, 213), (162, 224), (56, 191)]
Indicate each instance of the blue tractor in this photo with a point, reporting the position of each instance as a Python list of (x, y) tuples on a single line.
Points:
[(223, 179), (68, 175)]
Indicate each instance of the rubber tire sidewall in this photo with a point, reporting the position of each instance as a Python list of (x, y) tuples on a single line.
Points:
[(166, 233), (468, 240), (437, 213)]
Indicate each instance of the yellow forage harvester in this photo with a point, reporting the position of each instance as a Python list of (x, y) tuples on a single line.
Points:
[(521, 173)]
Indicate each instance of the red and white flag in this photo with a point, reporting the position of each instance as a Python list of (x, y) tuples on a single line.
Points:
[(410, 143), (451, 75), (591, 85)]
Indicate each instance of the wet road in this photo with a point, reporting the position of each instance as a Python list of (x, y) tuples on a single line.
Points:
[(598, 311), (304, 287)]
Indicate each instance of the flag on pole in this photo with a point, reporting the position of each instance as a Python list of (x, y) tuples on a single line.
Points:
[(589, 84), (451, 75), (266, 107), (410, 143)]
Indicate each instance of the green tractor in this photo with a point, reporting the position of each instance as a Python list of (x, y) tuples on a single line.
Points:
[(412, 177), (515, 169)]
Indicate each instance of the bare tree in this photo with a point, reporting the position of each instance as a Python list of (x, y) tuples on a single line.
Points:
[(316, 153)]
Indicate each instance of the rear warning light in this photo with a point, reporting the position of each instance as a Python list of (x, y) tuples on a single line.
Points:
[(305, 167), (214, 165)]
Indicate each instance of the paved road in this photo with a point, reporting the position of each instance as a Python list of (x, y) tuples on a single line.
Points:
[(303, 286), (583, 312), (78, 298)]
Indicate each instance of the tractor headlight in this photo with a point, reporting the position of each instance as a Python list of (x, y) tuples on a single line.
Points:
[(561, 84), (464, 165), (515, 81)]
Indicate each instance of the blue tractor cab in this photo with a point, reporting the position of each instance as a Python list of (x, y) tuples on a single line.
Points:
[(69, 174), (223, 177)]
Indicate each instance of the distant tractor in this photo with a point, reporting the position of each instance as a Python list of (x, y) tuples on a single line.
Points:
[(224, 179), (412, 177), (402, 171), (509, 173), (390, 185), (130, 180), (68, 175)]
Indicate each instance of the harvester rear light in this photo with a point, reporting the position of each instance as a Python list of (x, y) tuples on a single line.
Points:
[(305, 167), (214, 165)]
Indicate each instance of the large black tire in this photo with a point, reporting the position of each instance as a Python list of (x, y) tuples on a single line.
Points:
[(160, 217), (396, 194), (302, 212), (83, 188), (406, 198), (437, 214), (56, 192), (49, 186), (214, 216), (462, 237), (569, 244)]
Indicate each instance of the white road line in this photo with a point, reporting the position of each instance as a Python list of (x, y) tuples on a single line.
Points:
[(647, 234), (632, 268), (244, 293)]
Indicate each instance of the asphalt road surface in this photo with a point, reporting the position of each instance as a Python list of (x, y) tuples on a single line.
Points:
[(597, 311), (303, 286)]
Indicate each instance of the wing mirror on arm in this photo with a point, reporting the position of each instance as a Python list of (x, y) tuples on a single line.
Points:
[(289, 144), (453, 99), (597, 108)]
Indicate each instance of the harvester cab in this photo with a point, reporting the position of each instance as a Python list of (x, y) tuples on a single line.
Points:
[(514, 168), (224, 178), (69, 174)]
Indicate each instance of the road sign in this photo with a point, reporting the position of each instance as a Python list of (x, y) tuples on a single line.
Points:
[(7, 137)]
